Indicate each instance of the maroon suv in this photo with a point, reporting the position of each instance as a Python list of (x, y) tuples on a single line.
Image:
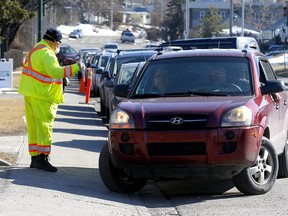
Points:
[(67, 55), (206, 114)]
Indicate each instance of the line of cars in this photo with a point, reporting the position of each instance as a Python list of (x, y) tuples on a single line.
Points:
[(192, 128)]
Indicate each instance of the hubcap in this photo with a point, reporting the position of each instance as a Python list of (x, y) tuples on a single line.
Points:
[(262, 169)]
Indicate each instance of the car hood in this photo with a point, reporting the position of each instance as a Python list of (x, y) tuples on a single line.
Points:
[(212, 107)]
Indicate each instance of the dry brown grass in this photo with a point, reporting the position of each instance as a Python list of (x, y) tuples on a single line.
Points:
[(12, 112)]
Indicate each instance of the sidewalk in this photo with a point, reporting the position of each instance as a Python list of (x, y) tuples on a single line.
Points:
[(75, 102)]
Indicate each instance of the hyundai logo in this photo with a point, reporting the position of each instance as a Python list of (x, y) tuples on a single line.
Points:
[(176, 120)]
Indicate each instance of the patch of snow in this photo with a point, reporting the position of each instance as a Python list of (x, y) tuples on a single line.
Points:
[(87, 30)]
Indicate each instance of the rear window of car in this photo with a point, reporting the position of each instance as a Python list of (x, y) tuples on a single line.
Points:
[(128, 34), (197, 75), (110, 46)]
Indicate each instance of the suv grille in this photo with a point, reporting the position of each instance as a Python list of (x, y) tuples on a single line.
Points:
[(177, 122)]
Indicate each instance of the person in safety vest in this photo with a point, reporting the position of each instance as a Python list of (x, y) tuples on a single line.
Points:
[(41, 85)]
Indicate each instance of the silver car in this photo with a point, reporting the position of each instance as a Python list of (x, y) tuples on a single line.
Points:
[(128, 37)]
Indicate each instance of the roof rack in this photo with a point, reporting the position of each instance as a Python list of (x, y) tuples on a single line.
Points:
[(140, 49)]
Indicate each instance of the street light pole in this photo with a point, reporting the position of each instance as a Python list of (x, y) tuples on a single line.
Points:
[(111, 12), (186, 31), (231, 18), (242, 33)]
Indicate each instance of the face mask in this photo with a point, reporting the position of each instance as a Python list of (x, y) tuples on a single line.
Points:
[(57, 50)]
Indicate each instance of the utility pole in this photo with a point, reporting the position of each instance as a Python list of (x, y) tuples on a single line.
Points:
[(40, 19), (161, 17), (111, 12), (231, 18), (286, 13), (243, 9), (186, 31)]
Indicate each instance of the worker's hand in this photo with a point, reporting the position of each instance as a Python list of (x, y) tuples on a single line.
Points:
[(81, 66)]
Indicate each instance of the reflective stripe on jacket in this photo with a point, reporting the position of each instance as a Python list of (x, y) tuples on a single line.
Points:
[(42, 75)]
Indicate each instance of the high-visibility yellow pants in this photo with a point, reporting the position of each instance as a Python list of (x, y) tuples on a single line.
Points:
[(40, 117)]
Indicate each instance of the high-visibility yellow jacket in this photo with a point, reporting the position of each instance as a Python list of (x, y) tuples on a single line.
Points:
[(42, 75)]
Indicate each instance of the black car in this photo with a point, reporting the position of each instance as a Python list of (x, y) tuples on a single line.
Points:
[(111, 70)]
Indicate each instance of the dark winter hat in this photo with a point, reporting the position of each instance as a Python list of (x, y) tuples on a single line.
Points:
[(53, 35)]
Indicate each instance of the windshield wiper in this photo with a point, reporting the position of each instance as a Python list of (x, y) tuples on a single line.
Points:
[(195, 93), (200, 93), (178, 94), (148, 95)]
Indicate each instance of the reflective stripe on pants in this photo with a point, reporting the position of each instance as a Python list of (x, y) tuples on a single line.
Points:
[(40, 117)]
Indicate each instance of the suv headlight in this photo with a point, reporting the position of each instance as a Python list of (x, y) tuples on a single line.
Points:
[(120, 119), (239, 116)]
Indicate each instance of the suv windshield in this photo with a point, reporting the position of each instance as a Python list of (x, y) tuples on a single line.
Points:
[(209, 76)]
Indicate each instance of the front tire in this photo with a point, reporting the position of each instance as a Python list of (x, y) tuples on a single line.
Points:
[(261, 176), (117, 180)]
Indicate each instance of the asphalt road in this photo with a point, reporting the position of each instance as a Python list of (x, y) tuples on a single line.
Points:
[(77, 189)]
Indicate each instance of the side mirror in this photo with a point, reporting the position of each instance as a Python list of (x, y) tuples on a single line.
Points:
[(121, 90), (92, 66), (104, 75), (273, 86), (109, 84), (99, 71)]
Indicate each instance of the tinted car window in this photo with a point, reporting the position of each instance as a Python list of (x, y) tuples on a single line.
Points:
[(267, 70), (103, 61), (120, 61), (111, 46), (197, 75)]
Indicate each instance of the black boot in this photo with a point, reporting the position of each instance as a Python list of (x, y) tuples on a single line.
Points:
[(33, 159), (43, 163)]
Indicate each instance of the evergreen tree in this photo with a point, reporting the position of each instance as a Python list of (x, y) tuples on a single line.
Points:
[(174, 20), (211, 24), (13, 14)]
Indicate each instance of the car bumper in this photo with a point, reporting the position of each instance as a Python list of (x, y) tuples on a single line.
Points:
[(218, 153)]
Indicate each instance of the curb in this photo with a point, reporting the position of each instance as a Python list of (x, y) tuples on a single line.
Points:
[(11, 145), (4, 163)]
